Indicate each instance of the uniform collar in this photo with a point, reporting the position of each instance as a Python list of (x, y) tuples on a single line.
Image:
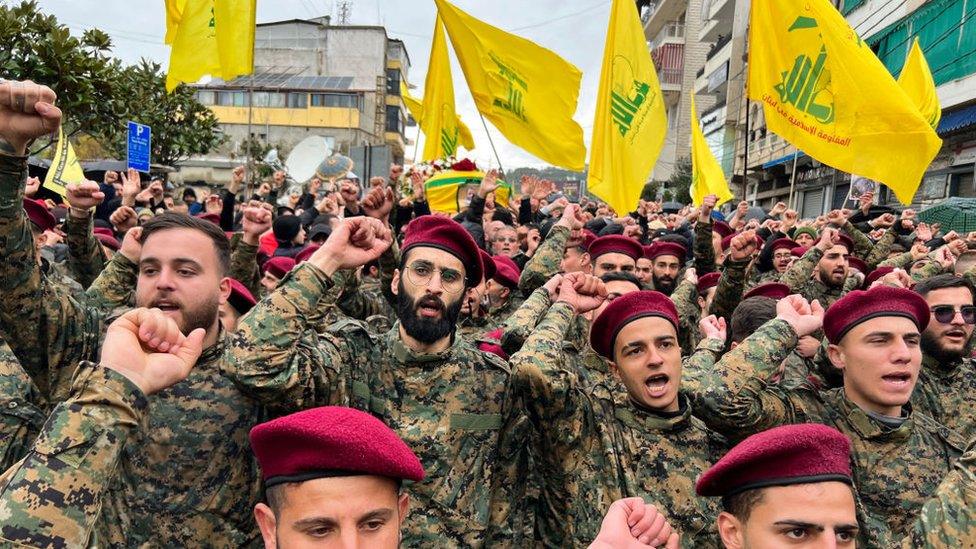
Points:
[(407, 355), (868, 428), (636, 417), (941, 369)]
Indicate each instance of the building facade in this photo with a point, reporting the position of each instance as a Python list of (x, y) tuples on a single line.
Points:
[(310, 78)]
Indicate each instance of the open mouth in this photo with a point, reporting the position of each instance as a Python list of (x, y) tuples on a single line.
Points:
[(657, 385), (897, 380), (429, 309), (955, 334), (166, 306)]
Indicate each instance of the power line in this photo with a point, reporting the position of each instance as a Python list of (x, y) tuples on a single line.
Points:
[(532, 26), (880, 20), (916, 30)]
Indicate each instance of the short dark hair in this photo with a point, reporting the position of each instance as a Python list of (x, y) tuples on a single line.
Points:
[(741, 505), (943, 281), (504, 216), (749, 315), (174, 220), (618, 276), (275, 495)]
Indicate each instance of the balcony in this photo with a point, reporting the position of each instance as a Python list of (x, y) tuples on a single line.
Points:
[(672, 33), (669, 61), (716, 16), (660, 13)]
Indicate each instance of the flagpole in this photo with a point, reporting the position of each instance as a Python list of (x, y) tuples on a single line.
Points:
[(416, 144), (492, 143)]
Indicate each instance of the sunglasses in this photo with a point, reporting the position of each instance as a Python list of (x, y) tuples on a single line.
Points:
[(945, 313)]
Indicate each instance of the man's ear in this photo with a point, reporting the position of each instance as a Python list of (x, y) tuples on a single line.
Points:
[(403, 506), (395, 283), (268, 525), (730, 530), (224, 290), (836, 356)]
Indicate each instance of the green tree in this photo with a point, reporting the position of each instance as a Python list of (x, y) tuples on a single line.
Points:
[(680, 182)]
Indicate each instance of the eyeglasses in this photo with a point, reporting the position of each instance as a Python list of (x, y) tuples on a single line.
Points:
[(945, 313), (420, 274)]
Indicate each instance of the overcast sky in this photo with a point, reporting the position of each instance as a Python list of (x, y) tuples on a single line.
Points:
[(574, 29)]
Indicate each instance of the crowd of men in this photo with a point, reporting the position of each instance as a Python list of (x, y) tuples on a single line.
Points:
[(340, 366)]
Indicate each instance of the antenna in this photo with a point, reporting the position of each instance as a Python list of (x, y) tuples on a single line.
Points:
[(345, 11)]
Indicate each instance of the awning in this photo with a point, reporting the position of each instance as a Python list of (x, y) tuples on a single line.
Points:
[(957, 120), (784, 159)]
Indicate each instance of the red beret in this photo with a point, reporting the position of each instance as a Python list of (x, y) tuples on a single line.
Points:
[(213, 218), (858, 264), (488, 263), (861, 305), (507, 272), (876, 274), (616, 243), (331, 441), (626, 309), (722, 228), (708, 280), (448, 235), (240, 297), (775, 290), (844, 240), (278, 266), (306, 253), (667, 248), (103, 231), (490, 344), (799, 251), (588, 238), (784, 244), (791, 454), (109, 242), (39, 215)]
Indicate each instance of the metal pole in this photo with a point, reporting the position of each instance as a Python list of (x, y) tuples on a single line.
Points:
[(796, 155), (492, 143), (745, 159), (416, 144), (249, 183)]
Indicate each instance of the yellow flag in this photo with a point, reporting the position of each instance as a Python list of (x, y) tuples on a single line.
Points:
[(440, 119), (450, 191), (174, 14), (706, 173), (824, 91), (630, 121), (528, 92), (916, 79), (65, 167), (213, 37), (416, 108)]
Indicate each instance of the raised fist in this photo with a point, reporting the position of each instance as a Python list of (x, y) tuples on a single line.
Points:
[(378, 202), (84, 196), (131, 246), (123, 219), (582, 292), (255, 221), (713, 327), (27, 112), (743, 246), (353, 243), (572, 218), (804, 317), (632, 524)]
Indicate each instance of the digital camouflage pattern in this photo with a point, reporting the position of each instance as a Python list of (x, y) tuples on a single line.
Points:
[(52, 497), (895, 469), (947, 393), (86, 258), (592, 446), (22, 409), (799, 277), (545, 262), (704, 250), (448, 407)]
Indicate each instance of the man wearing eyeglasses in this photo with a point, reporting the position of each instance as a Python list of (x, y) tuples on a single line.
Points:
[(946, 388), (442, 396)]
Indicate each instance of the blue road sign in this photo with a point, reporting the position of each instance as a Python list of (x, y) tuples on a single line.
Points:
[(139, 145)]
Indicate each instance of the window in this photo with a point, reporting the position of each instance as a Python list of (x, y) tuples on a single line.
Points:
[(205, 97), (297, 100), (232, 99), (393, 121), (270, 99), (393, 81), (341, 100)]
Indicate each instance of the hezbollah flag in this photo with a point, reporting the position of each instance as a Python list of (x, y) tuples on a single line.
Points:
[(450, 191), (824, 91), (528, 92), (214, 37), (630, 122), (65, 167), (439, 122), (416, 108), (916, 79), (706, 173)]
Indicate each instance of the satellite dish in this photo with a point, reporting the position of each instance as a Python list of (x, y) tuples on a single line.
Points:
[(306, 157)]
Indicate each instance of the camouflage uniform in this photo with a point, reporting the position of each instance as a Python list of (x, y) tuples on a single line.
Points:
[(22, 409), (593, 446), (728, 293), (86, 258), (53, 496), (799, 277), (545, 262), (895, 468), (190, 479), (947, 519), (448, 407), (244, 266), (704, 251), (947, 392)]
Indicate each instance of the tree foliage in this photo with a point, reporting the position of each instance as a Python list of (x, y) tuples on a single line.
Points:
[(680, 182)]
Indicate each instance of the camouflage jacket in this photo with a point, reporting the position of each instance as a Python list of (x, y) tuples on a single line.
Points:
[(685, 298), (947, 392), (704, 251), (895, 469), (799, 277), (244, 265), (52, 497), (545, 262), (86, 259), (448, 407), (190, 479), (593, 446), (23, 410)]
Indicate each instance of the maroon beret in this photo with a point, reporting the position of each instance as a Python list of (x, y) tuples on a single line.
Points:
[(861, 305), (488, 263), (240, 297), (799, 251), (507, 272), (211, 217), (805, 453), (722, 228), (708, 280), (306, 253), (616, 243), (844, 240), (448, 235), (109, 242), (490, 344), (331, 441), (727, 241), (858, 264), (103, 231), (775, 290), (784, 244), (626, 309), (667, 248), (278, 266), (588, 238), (875, 275), (39, 215)]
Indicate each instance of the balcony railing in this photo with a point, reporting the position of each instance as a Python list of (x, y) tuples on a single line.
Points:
[(717, 47)]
